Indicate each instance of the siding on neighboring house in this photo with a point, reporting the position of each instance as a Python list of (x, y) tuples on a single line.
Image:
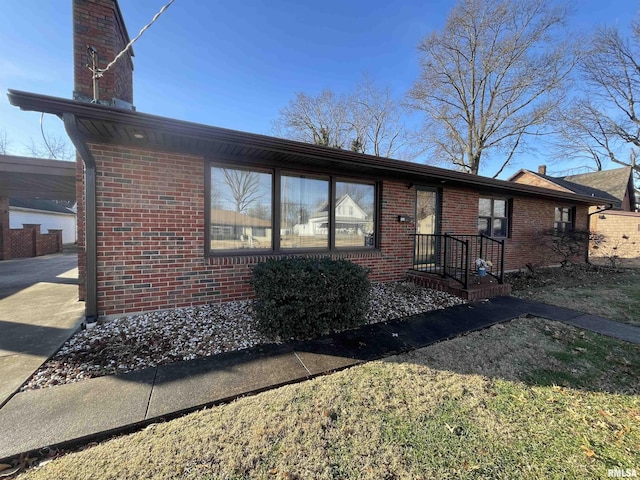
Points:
[(47, 221), (621, 230)]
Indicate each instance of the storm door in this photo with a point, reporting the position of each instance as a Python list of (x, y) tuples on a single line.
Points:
[(427, 228)]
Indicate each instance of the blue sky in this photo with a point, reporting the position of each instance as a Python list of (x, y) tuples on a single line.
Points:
[(236, 64)]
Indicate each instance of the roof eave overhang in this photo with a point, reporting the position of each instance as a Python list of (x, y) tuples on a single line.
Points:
[(198, 135)]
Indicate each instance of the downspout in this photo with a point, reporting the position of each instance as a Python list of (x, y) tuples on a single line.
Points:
[(608, 207), (90, 223)]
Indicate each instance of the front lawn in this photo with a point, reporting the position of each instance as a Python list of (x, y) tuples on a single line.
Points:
[(608, 293), (527, 399)]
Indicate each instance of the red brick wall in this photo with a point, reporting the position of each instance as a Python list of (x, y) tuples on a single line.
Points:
[(151, 235), (5, 231), (29, 242), (98, 23), (459, 213), (80, 226), (47, 243), (530, 218), (22, 243)]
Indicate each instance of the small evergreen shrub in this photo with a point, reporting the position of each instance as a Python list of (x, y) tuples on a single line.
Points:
[(300, 297)]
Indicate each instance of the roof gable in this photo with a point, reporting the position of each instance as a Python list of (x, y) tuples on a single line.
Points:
[(527, 177), (614, 182)]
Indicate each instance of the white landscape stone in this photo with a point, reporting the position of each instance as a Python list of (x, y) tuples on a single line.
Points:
[(146, 340)]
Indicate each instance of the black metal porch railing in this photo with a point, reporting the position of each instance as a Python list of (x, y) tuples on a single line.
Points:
[(454, 256)]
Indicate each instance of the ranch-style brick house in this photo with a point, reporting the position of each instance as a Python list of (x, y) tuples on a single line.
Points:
[(173, 213)]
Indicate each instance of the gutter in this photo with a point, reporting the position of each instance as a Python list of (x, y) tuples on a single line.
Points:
[(589, 215), (195, 131), (90, 223)]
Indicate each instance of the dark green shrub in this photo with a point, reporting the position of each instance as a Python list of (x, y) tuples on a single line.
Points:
[(306, 297)]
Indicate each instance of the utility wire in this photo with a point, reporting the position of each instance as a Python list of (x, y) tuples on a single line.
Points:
[(99, 72), (44, 137)]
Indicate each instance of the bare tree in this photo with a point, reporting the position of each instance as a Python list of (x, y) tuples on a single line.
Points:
[(4, 143), (56, 148), (491, 78), (582, 133), (321, 120), (605, 124), (245, 187), (376, 120), (366, 121)]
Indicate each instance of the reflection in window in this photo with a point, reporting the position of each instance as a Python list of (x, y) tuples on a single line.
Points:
[(304, 207), (354, 214), (493, 217), (240, 209), (563, 221)]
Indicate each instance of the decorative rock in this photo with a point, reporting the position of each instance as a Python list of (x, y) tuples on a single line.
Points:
[(157, 338)]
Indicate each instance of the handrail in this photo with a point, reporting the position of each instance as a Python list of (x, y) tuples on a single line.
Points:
[(454, 256)]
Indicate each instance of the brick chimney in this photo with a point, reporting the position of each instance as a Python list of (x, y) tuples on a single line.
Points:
[(99, 24), (542, 169)]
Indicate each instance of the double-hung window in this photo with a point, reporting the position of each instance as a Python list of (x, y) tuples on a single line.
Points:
[(564, 219), (285, 212), (493, 217)]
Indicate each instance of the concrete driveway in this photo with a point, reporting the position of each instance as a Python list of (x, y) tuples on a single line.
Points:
[(39, 311)]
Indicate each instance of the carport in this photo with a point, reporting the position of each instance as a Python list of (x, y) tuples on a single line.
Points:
[(39, 307)]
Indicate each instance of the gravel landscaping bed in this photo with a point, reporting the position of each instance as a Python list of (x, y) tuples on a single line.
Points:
[(139, 341)]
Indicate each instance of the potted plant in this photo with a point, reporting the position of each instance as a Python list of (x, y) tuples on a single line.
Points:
[(482, 265)]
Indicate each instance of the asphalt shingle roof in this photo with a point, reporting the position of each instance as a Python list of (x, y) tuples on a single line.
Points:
[(38, 204)]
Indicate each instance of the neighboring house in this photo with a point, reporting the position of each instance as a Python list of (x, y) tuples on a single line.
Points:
[(50, 215), (614, 185), (150, 239), (353, 226), (615, 221), (231, 230)]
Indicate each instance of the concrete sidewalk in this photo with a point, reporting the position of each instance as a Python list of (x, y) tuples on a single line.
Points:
[(39, 311), (77, 412)]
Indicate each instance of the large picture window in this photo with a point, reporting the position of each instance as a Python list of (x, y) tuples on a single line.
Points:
[(493, 217), (284, 212), (240, 209)]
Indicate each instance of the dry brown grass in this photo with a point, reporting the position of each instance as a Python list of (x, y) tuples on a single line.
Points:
[(529, 399), (612, 294)]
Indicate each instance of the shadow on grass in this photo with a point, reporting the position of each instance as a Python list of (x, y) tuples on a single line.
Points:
[(538, 352)]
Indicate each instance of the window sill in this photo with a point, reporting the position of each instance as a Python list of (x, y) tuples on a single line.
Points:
[(255, 256)]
